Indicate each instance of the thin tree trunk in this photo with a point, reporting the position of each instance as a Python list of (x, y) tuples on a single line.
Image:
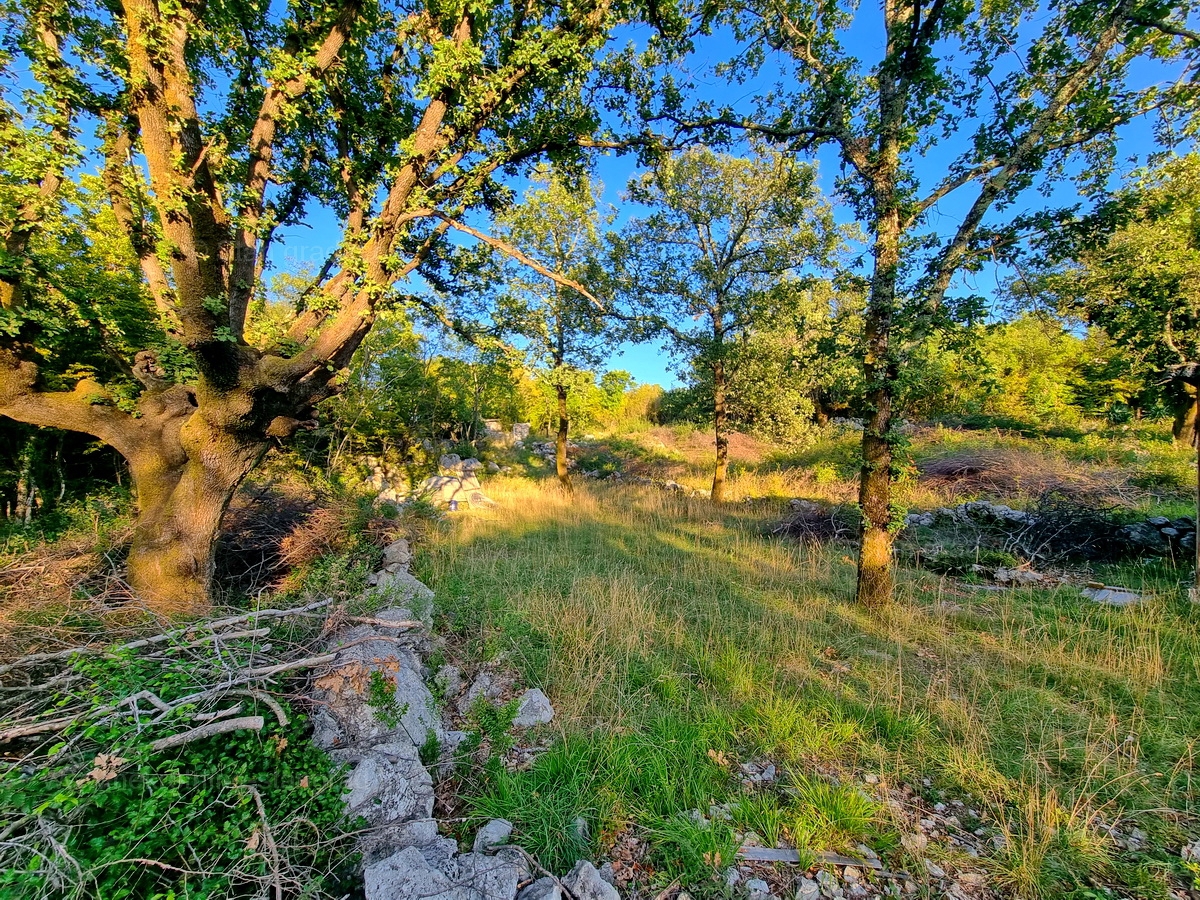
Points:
[(1195, 592), (560, 444), (876, 580), (58, 468), (720, 413), (1184, 427), (25, 484)]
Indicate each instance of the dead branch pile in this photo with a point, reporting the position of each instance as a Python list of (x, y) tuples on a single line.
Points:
[(94, 712), (1012, 473), (226, 660), (1061, 528), (815, 523), (60, 591)]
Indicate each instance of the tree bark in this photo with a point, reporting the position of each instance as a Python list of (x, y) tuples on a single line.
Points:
[(876, 579), (180, 506), (560, 444), (876, 582), (187, 449), (1184, 427), (1196, 573), (720, 415)]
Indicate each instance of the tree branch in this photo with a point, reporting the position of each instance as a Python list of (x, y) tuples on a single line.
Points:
[(88, 408), (509, 250), (192, 216), (17, 233), (258, 169), (948, 261), (118, 146)]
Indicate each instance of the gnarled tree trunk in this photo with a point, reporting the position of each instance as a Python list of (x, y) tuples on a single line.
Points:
[(182, 494), (188, 449)]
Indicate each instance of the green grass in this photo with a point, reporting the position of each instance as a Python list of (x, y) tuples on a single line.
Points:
[(676, 642)]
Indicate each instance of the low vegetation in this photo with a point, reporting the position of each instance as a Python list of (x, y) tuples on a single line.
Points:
[(680, 641)]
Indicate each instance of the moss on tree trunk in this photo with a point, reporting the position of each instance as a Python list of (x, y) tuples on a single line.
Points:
[(560, 443), (720, 414)]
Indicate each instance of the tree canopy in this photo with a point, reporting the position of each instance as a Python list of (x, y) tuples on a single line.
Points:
[(1133, 269), (1039, 90), (727, 243), (126, 297)]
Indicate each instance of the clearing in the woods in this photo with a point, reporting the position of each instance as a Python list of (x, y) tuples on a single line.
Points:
[(687, 648)]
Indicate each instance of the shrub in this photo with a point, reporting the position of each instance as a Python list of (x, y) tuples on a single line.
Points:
[(102, 814)]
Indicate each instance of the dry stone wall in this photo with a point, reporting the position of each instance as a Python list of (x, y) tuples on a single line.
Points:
[(377, 714)]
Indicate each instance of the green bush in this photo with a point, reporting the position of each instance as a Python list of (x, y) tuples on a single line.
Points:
[(100, 814)]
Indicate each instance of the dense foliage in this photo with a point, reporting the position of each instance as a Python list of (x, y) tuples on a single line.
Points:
[(106, 815)]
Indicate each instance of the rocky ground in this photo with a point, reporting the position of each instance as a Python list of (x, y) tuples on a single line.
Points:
[(944, 840), (377, 713)]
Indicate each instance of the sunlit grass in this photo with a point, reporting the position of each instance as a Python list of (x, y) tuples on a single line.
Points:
[(664, 629)]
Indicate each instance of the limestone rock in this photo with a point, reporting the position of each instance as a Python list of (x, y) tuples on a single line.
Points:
[(492, 876), (470, 877), (492, 835), (346, 717), (1113, 596), (389, 784), (758, 889), (828, 884), (369, 644), (483, 686), (807, 889), (585, 883), (608, 873), (381, 842), (1145, 537), (404, 587), (449, 680), (1190, 852), (440, 853), (444, 488), (415, 706), (542, 889), (535, 709), (397, 554), (1018, 576)]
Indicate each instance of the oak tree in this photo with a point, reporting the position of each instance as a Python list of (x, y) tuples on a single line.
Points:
[(564, 330), (964, 108), (1132, 267), (711, 260), (214, 129)]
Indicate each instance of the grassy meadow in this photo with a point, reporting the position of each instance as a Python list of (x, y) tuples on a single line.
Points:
[(678, 641)]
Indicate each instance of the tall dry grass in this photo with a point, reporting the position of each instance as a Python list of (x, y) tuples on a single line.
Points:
[(1055, 713)]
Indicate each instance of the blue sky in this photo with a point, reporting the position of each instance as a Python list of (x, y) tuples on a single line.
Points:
[(650, 363)]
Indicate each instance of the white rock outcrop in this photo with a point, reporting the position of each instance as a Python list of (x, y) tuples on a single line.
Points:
[(376, 714)]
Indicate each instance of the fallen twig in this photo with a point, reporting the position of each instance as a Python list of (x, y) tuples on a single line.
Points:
[(539, 867), (269, 840), (245, 723), (213, 626)]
